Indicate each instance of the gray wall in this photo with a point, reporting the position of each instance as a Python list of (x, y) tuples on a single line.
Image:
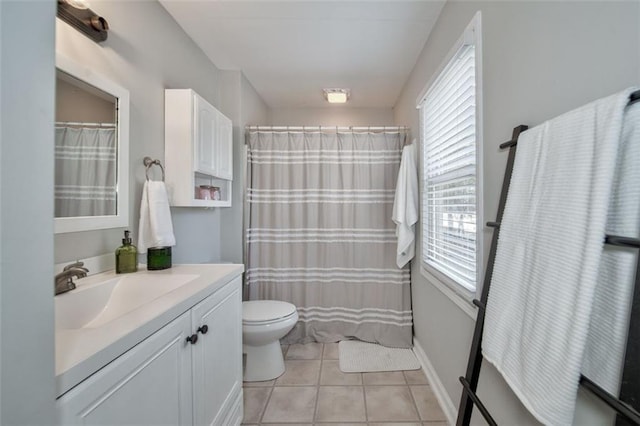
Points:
[(27, 82), (539, 59), (146, 52), (244, 106), (335, 115)]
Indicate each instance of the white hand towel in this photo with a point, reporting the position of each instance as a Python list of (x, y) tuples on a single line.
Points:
[(156, 229), (548, 256), (405, 205)]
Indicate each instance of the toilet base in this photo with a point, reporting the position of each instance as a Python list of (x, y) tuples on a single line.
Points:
[(263, 362)]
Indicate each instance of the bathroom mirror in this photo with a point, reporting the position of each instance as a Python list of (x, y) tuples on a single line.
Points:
[(91, 150)]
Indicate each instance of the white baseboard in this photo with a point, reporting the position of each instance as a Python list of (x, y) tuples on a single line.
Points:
[(440, 392)]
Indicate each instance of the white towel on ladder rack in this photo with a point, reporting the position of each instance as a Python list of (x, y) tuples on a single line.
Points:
[(606, 344), (405, 205), (155, 229), (548, 256)]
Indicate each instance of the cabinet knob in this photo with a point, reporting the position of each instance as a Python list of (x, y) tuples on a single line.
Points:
[(203, 329), (192, 339)]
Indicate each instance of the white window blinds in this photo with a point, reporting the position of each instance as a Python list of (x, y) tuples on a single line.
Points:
[(449, 201)]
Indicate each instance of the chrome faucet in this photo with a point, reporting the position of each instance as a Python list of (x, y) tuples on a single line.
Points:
[(64, 280)]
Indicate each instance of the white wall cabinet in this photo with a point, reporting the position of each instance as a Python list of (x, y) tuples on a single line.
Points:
[(171, 377), (198, 150)]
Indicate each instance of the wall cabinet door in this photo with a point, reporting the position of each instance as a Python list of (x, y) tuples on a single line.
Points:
[(206, 134), (148, 385), (224, 145), (217, 358)]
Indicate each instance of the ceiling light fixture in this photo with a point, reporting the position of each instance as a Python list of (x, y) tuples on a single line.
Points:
[(336, 96)]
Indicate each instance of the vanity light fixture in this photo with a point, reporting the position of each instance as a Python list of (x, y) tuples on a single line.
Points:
[(336, 96), (77, 14)]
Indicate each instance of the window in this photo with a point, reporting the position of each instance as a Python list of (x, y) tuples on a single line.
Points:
[(451, 190)]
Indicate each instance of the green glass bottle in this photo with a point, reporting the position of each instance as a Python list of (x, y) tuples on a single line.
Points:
[(126, 256)]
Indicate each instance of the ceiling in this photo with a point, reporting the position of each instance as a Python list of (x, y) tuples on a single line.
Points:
[(291, 50)]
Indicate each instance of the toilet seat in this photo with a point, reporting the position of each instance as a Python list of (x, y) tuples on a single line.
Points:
[(266, 311)]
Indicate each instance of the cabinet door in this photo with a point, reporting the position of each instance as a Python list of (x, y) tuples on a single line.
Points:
[(217, 358), (148, 385), (205, 135), (224, 144)]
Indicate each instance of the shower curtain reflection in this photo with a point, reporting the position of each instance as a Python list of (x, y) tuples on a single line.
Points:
[(85, 171), (320, 233)]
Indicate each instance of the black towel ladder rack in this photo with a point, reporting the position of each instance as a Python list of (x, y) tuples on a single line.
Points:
[(627, 405)]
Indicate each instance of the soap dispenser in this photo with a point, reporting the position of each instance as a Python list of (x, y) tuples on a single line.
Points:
[(126, 256)]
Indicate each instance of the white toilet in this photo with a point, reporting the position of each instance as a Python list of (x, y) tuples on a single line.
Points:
[(264, 323)]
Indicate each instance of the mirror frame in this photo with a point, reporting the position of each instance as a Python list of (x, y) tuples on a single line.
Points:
[(121, 218)]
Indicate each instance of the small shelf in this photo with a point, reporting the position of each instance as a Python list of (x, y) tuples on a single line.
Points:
[(223, 184)]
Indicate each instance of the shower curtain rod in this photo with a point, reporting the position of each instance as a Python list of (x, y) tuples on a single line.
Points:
[(74, 123), (326, 128)]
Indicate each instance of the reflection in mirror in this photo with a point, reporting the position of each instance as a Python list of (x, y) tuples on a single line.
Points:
[(85, 149), (91, 150)]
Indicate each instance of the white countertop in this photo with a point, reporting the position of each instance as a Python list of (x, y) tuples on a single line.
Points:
[(82, 352)]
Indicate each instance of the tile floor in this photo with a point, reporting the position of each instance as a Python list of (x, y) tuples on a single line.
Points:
[(313, 391)]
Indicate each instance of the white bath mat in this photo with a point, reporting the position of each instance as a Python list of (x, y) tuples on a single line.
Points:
[(362, 357)]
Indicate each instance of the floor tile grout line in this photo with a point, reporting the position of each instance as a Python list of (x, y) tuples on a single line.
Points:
[(364, 395), (264, 409), (415, 404), (272, 387), (315, 408)]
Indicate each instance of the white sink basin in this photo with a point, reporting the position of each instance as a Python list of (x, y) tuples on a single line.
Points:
[(96, 304)]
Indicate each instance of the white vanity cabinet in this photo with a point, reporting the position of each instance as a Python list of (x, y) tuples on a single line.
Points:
[(217, 358), (198, 150), (188, 372), (148, 385)]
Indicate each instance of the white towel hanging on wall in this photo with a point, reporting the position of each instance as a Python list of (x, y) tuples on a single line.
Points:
[(156, 228), (405, 205)]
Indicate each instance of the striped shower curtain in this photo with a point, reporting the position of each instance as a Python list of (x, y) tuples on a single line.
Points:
[(320, 233), (85, 172)]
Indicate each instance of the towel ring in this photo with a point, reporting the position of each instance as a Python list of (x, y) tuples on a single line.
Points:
[(148, 162)]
